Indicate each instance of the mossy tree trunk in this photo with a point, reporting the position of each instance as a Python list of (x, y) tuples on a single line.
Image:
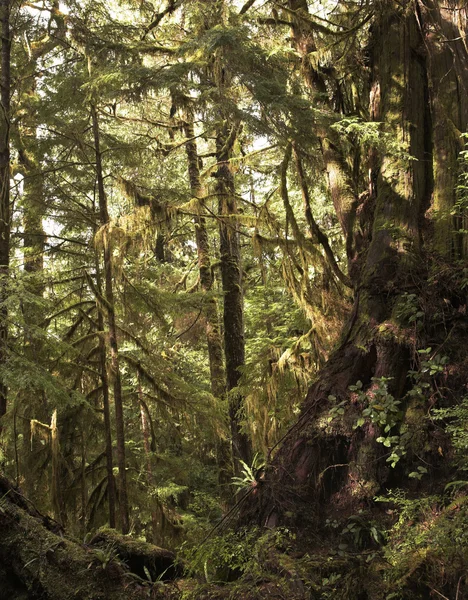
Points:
[(228, 127), (37, 561), (212, 326), (231, 275), (325, 459), (111, 495), (339, 176)]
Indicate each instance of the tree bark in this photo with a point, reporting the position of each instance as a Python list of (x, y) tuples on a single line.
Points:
[(38, 562), (339, 178), (111, 495), (112, 330), (330, 466), (444, 30), (231, 274), (5, 116), (213, 335), (212, 328)]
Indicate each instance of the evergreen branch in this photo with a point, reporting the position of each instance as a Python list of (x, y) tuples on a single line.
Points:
[(136, 364), (100, 300), (67, 309), (85, 338)]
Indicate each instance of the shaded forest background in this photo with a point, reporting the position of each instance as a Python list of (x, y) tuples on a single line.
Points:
[(233, 293)]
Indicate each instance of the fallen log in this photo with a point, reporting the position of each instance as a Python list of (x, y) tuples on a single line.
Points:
[(39, 562)]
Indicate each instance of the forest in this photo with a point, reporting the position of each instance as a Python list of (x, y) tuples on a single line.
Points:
[(233, 299)]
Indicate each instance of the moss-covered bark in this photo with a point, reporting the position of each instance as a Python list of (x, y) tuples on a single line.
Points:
[(37, 561), (326, 463), (231, 275)]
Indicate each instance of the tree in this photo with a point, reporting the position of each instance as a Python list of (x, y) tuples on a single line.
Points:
[(396, 261), (5, 94), (108, 251)]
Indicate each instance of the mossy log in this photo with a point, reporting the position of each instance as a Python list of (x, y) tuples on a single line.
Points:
[(138, 555), (37, 560)]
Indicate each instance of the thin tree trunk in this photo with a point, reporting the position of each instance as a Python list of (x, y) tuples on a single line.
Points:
[(314, 229), (212, 328), (5, 91), (231, 274), (213, 335), (339, 178), (113, 343), (146, 431), (106, 404)]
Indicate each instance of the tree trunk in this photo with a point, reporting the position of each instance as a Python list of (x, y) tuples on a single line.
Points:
[(339, 178), (5, 92), (444, 29), (213, 334), (111, 496), (112, 330), (150, 481), (325, 461), (231, 274)]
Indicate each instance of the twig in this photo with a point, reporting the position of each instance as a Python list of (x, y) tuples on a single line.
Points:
[(441, 595), (227, 515)]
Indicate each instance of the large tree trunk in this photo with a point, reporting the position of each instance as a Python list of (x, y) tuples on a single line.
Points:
[(325, 461), (444, 29)]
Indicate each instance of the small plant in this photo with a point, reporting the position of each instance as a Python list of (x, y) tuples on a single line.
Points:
[(382, 409), (361, 530), (408, 311), (418, 473), (103, 557), (151, 585), (249, 474)]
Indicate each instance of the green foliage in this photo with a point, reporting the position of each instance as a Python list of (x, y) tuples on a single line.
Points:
[(383, 410), (223, 557), (408, 311), (455, 419), (361, 531), (429, 536), (104, 556), (249, 473)]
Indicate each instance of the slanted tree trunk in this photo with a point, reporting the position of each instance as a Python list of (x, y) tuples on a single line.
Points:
[(325, 461), (338, 174), (5, 92), (112, 329)]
